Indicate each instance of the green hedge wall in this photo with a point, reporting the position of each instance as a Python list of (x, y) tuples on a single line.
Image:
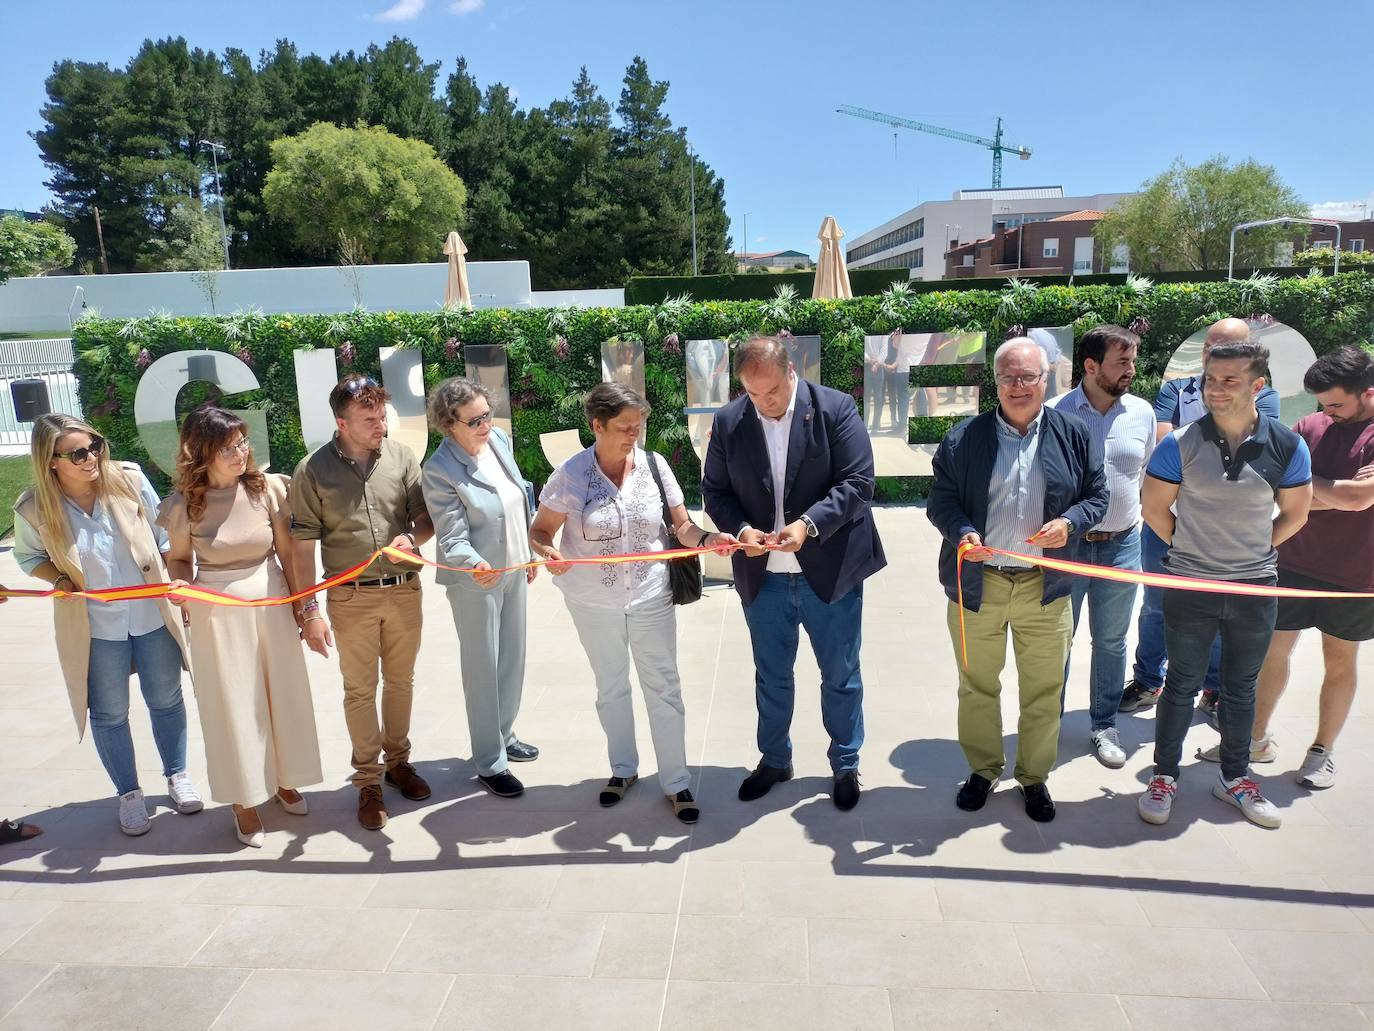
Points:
[(554, 354), (750, 286)]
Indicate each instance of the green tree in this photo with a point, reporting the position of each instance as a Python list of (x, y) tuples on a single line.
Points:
[(32, 248), (189, 240), (1182, 218), (393, 196), (653, 177)]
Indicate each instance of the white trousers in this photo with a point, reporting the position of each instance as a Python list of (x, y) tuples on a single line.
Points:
[(648, 634)]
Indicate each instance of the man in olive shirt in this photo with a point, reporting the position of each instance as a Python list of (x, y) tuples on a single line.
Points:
[(355, 495)]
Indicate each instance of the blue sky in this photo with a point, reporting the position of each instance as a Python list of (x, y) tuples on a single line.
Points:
[(1106, 93)]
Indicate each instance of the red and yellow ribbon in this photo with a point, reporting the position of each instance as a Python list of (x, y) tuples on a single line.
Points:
[(1167, 581), (191, 592)]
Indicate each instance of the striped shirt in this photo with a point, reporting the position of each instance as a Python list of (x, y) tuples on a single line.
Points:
[(1016, 492), (1126, 435)]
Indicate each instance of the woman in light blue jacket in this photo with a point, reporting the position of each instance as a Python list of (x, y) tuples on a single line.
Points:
[(480, 505)]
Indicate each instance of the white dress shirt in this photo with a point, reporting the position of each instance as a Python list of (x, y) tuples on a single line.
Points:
[(776, 434)]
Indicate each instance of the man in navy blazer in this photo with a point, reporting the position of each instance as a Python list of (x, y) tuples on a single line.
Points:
[(1019, 474), (789, 471)]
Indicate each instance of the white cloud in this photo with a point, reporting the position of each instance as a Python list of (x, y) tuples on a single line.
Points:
[(1345, 210), (401, 10), (466, 6)]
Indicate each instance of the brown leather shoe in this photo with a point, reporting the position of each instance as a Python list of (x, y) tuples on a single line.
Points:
[(403, 777), (371, 808)]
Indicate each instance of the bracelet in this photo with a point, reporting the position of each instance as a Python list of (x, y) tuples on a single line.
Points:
[(311, 619), (704, 535), (62, 576), (311, 606)]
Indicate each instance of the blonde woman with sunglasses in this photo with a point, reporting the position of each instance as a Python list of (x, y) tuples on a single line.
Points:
[(87, 523)]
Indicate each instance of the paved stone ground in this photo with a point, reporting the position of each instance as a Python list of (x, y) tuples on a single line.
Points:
[(549, 912)]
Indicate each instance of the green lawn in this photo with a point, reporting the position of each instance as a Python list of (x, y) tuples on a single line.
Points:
[(14, 477), (51, 334)]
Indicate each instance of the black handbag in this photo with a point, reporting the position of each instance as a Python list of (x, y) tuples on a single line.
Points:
[(684, 574)]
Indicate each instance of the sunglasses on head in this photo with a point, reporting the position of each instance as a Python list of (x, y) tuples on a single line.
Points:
[(358, 384), (79, 456)]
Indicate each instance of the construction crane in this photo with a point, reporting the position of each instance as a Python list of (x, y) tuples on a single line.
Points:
[(995, 144)]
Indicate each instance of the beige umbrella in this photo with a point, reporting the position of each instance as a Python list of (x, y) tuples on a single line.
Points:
[(457, 294), (832, 278)]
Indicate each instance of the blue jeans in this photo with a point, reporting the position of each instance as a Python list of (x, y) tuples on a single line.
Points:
[(1109, 619), (785, 603), (1192, 621), (157, 660), (1151, 653)]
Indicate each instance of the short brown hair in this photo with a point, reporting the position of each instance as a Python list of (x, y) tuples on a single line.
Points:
[(451, 395), (356, 388), (607, 400), (762, 350), (1256, 357)]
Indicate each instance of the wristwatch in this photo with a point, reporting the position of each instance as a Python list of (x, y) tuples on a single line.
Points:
[(811, 530)]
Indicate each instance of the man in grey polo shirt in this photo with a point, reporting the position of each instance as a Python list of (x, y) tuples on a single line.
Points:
[(1225, 472), (1123, 427)]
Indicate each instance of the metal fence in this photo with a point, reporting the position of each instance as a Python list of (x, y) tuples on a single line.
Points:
[(48, 360)]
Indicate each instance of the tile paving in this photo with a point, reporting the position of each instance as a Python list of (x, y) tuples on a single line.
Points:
[(474, 912)]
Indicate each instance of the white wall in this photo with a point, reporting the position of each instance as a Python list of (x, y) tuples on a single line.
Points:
[(580, 298), (40, 303)]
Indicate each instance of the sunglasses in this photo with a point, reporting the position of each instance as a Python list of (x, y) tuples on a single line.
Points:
[(79, 456), (477, 421), (359, 384)]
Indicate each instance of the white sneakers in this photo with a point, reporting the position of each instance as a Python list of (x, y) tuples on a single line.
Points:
[(1243, 793), (133, 807), (1107, 747), (1262, 750), (133, 814), (1158, 800), (1318, 769), (185, 798)]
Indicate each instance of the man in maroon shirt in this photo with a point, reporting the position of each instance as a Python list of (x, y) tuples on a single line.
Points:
[(1333, 552)]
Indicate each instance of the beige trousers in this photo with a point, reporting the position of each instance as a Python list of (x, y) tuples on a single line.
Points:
[(377, 629)]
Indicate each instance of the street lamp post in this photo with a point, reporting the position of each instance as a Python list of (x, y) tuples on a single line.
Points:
[(215, 148), (692, 161)]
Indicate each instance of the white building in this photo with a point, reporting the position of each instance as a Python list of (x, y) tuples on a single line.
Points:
[(918, 239)]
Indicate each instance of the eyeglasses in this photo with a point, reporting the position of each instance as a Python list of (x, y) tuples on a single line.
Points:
[(79, 456), (1027, 380), (602, 521), (241, 447), (473, 423)]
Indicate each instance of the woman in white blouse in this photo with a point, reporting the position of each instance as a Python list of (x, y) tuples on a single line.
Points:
[(606, 502), (481, 510)]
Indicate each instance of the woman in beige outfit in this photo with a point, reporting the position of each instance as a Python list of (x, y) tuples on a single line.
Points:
[(252, 689)]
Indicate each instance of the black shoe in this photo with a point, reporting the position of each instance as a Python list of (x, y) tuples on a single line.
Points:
[(1137, 696), (685, 806), (761, 781), (1039, 805), (615, 790), (519, 752), (973, 793), (503, 784), (845, 794)]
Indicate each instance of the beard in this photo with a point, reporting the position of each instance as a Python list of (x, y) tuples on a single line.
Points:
[(1113, 387)]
